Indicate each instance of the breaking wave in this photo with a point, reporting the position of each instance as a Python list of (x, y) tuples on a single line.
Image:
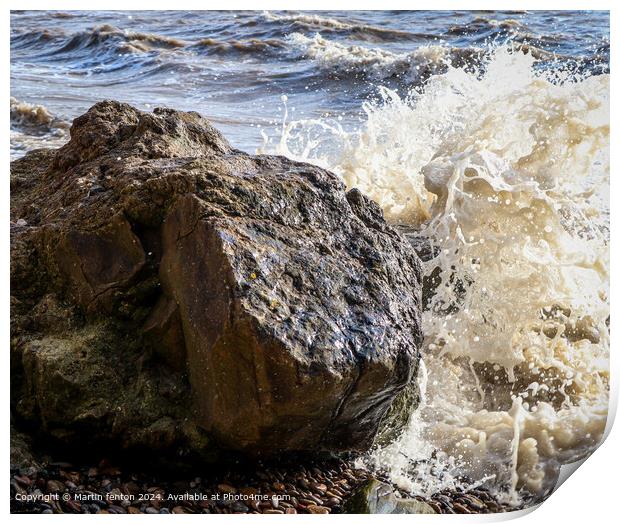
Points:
[(243, 47), (105, 38), (379, 64), (502, 172), (360, 31), (34, 126)]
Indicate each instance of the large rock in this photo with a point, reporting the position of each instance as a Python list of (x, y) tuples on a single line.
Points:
[(171, 291)]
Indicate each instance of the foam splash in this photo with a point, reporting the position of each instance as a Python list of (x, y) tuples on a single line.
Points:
[(506, 174)]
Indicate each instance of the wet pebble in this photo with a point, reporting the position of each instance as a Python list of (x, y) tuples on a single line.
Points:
[(319, 488), (317, 509)]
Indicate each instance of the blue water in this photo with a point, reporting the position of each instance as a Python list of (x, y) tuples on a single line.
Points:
[(234, 67)]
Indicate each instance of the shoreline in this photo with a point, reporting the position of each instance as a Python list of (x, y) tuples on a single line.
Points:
[(312, 487)]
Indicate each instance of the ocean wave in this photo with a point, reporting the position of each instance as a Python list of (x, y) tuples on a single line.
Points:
[(124, 40), (305, 22), (33, 126), (245, 47), (415, 67), (37, 39), (34, 117), (105, 38), (379, 64), (308, 20), (481, 24), (61, 15)]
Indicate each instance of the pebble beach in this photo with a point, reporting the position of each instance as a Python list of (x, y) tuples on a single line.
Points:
[(314, 488)]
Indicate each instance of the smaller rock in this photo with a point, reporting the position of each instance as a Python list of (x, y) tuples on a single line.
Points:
[(239, 507), (319, 487), (249, 492), (379, 497), (227, 488), (459, 508), (55, 486)]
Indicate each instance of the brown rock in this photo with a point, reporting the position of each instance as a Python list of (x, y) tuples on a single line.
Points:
[(95, 262), (165, 331), (291, 303), (227, 488), (55, 486), (321, 488)]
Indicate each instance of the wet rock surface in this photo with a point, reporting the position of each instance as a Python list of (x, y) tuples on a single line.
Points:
[(376, 497), (171, 293)]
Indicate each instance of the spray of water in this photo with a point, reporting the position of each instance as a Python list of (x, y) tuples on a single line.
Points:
[(504, 171)]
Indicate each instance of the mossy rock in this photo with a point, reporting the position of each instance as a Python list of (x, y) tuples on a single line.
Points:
[(397, 417), (376, 497)]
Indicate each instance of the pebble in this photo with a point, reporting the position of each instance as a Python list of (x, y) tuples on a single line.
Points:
[(333, 501), (436, 507), (239, 507), (320, 488), (23, 480), (459, 508), (290, 489), (472, 501), (55, 486)]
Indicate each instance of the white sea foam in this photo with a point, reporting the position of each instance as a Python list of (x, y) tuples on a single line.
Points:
[(506, 173)]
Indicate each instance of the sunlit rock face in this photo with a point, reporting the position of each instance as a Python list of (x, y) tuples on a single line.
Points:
[(176, 292)]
